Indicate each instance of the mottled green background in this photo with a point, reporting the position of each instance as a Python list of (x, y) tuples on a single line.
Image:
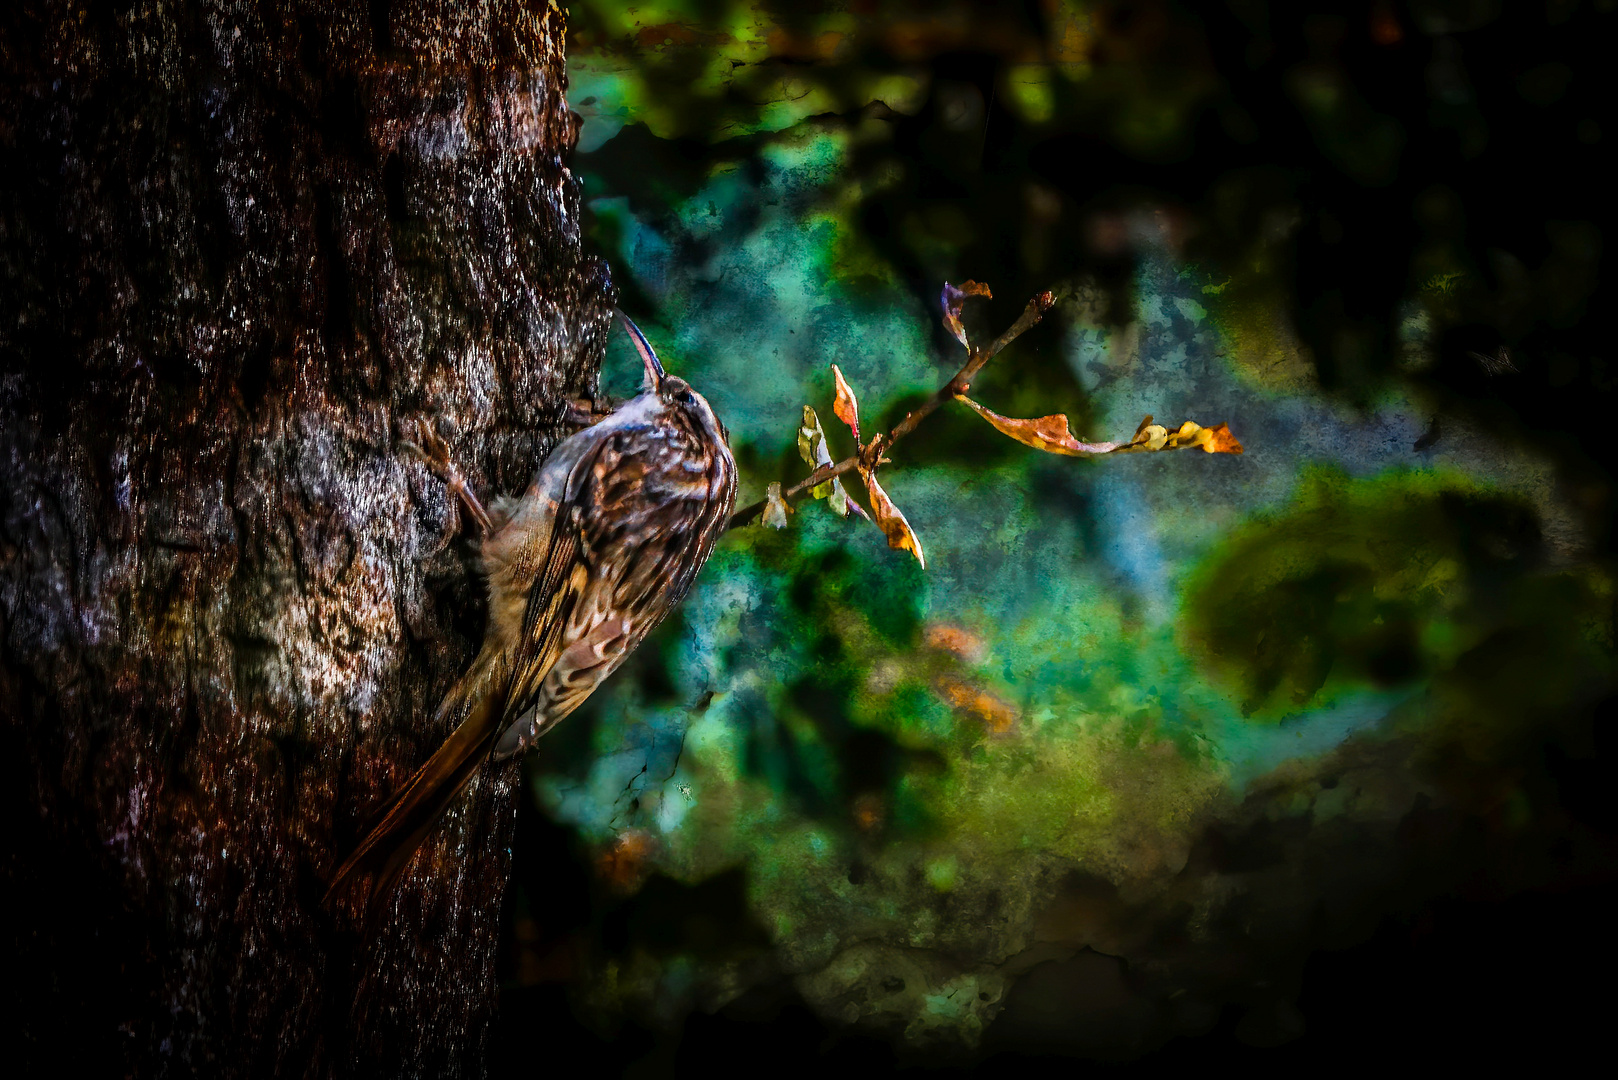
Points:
[(1148, 729)]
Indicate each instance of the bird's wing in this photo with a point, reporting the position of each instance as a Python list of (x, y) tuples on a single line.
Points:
[(536, 572), (633, 566), (551, 601), (566, 611)]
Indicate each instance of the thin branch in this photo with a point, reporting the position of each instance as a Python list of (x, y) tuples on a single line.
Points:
[(875, 449)]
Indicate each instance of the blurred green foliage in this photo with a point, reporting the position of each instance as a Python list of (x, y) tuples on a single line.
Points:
[(1371, 582)]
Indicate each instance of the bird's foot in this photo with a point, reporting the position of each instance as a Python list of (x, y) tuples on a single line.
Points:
[(434, 453), (583, 412)]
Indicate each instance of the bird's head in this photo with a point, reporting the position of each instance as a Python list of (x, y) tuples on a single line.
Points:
[(672, 390)]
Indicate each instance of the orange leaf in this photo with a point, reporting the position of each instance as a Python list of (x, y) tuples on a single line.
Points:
[(955, 639), (1048, 433), (890, 519), (846, 406), (1221, 441), (966, 697), (952, 299)]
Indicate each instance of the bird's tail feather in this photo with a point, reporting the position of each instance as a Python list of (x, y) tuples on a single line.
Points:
[(406, 819)]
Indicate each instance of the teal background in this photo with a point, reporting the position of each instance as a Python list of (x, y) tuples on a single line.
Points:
[(1152, 726)]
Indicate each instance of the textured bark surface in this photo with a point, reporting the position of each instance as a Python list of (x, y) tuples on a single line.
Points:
[(241, 243)]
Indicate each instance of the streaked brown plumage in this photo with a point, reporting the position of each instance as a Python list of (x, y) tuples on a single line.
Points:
[(602, 545)]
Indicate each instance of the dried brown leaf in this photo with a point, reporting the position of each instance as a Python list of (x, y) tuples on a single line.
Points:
[(1048, 433), (952, 298), (890, 519), (847, 407)]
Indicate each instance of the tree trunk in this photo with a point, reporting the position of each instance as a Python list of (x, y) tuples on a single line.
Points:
[(244, 245)]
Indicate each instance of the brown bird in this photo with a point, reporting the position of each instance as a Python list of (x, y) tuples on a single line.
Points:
[(602, 545)]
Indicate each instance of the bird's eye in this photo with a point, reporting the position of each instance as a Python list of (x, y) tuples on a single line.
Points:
[(683, 397)]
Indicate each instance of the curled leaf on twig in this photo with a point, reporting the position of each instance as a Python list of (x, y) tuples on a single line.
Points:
[(1051, 434), (1048, 433), (951, 300), (775, 507), (812, 448), (891, 520), (846, 406), (1213, 440)]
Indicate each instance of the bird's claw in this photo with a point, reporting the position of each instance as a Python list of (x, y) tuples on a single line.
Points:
[(583, 412), (430, 448), (433, 452)]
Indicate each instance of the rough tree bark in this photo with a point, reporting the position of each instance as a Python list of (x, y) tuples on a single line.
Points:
[(241, 242)]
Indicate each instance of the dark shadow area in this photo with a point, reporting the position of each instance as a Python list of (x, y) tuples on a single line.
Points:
[(1471, 984)]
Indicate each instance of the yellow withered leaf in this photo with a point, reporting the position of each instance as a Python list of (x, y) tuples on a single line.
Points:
[(891, 519), (812, 447), (815, 453), (951, 300), (1213, 440), (775, 507), (1148, 436), (846, 406), (1051, 434)]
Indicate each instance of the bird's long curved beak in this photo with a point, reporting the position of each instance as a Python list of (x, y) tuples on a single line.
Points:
[(654, 368)]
